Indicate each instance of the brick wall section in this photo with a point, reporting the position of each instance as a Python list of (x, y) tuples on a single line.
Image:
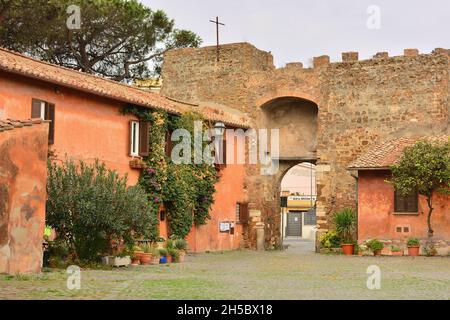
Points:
[(361, 103), (23, 176)]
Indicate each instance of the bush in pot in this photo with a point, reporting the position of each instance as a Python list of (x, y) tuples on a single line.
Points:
[(146, 255), (181, 246), (329, 240), (155, 256), (396, 251), (345, 223), (136, 256), (375, 246), (413, 246), (163, 255), (174, 255)]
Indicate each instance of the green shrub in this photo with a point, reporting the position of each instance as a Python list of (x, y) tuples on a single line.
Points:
[(163, 252), (174, 253), (90, 206), (374, 245), (330, 239), (345, 223), (180, 244), (413, 242), (395, 249)]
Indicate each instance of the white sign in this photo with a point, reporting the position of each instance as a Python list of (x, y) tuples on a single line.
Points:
[(302, 198), (224, 226)]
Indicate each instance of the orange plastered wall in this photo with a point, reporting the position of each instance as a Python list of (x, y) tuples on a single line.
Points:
[(86, 126), (376, 217)]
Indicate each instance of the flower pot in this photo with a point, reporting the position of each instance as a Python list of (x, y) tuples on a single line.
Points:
[(347, 249), (360, 253), (169, 259), (182, 256), (120, 261), (135, 261), (163, 260), (146, 258), (155, 260), (413, 251), (377, 253), (397, 253)]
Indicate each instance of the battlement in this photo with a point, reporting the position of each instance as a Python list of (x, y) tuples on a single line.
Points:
[(245, 56)]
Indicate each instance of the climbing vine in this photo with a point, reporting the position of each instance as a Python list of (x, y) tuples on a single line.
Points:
[(186, 190)]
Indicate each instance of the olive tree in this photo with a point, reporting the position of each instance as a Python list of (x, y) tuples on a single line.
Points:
[(91, 206)]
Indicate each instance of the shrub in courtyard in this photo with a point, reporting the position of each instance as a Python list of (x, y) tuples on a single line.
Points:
[(345, 224), (90, 207), (375, 246), (330, 239)]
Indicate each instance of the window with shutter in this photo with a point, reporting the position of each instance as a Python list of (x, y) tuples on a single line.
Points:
[(134, 138), (45, 111), (406, 204), (243, 213), (144, 127), (169, 144)]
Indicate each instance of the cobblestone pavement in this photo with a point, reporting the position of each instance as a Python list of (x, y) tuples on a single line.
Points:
[(296, 273)]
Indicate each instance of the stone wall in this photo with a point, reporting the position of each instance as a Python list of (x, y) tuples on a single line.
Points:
[(360, 104), (23, 176)]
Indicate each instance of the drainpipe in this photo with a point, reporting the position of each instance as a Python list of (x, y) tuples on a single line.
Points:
[(357, 198)]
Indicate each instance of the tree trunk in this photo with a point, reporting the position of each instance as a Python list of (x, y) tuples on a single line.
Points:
[(430, 211)]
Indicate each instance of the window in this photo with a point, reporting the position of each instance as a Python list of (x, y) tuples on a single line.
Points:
[(309, 218), (169, 146), (134, 138), (45, 111), (408, 204), (241, 212), (139, 138)]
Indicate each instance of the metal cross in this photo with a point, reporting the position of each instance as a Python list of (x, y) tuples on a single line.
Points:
[(217, 23)]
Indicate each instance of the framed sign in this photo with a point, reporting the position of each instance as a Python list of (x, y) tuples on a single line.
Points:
[(224, 226)]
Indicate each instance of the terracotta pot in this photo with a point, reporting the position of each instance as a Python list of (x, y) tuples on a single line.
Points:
[(155, 260), (146, 258), (360, 253), (398, 253), (169, 258), (413, 251), (135, 261), (182, 256), (347, 249), (377, 253)]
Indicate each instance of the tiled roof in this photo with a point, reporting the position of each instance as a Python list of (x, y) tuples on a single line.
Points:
[(10, 124), (19, 64), (389, 152)]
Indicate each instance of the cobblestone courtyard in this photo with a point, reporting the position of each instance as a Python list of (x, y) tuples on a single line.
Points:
[(296, 273)]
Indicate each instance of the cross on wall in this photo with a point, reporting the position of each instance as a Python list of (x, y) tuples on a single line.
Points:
[(217, 23)]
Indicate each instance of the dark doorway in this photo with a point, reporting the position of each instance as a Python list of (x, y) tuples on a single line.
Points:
[(294, 224)]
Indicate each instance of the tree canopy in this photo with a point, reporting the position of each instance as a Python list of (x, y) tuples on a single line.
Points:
[(118, 39), (424, 167)]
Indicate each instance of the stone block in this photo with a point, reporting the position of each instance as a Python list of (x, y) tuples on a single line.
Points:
[(349, 56)]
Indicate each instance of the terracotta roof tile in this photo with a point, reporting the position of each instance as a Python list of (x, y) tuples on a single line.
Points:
[(19, 64), (389, 152), (10, 124)]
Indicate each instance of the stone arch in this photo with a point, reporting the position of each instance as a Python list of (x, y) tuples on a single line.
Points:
[(297, 119)]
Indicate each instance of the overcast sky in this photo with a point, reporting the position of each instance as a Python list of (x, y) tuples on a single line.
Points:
[(297, 30)]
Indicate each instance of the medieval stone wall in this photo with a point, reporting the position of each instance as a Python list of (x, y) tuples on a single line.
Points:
[(360, 104)]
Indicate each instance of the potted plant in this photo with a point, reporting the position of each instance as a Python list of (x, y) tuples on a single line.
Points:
[(163, 254), (430, 249), (396, 251), (413, 246), (375, 246), (155, 256), (136, 257), (181, 246), (174, 255), (146, 255), (345, 223)]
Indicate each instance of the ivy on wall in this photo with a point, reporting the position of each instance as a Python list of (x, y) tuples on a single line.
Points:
[(186, 190)]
